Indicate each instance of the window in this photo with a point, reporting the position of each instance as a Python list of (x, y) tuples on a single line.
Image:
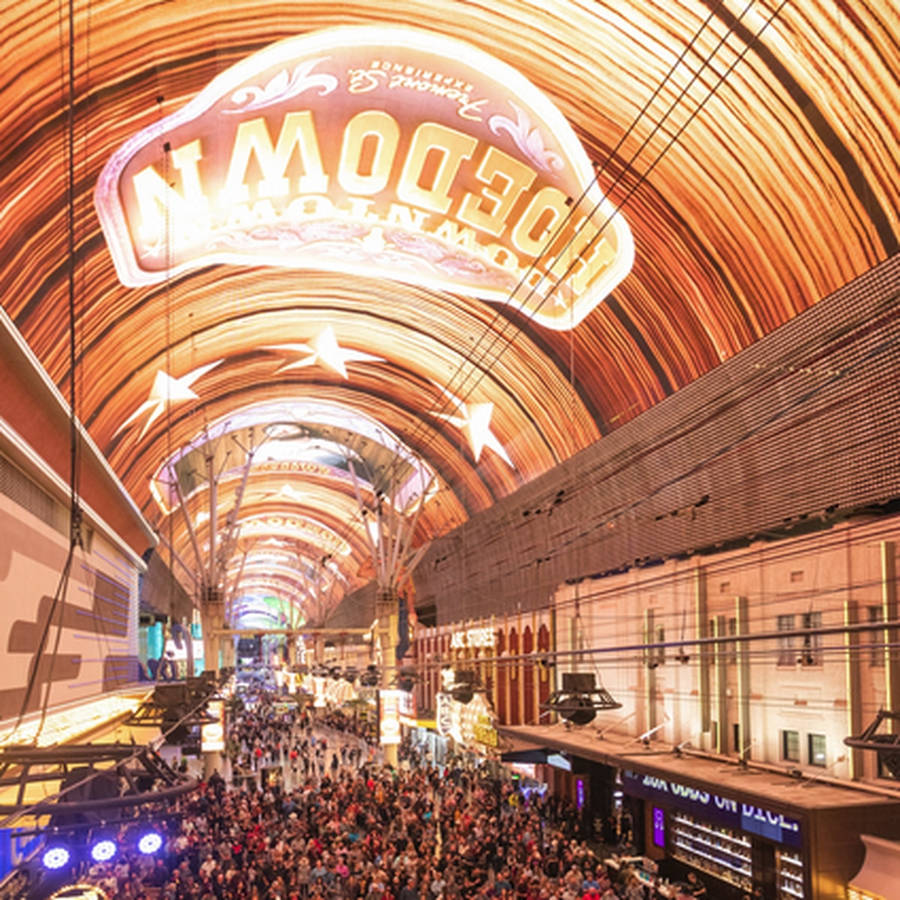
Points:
[(876, 637), (816, 747), (810, 654), (736, 737), (786, 654), (732, 645), (790, 746)]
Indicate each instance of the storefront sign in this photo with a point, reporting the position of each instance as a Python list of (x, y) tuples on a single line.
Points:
[(473, 637), (382, 151), (212, 735), (406, 708), (389, 720), (470, 724), (659, 827), (714, 808), (80, 892)]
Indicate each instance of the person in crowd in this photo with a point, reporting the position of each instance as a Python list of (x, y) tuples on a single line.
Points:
[(332, 824)]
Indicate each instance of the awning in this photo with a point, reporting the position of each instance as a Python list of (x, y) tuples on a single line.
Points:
[(878, 877), (531, 755)]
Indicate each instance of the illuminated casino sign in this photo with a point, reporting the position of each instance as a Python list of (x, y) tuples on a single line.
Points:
[(80, 892), (387, 152)]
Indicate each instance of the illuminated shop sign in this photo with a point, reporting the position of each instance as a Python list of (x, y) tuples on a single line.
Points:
[(389, 721), (387, 152), (470, 724), (80, 892), (212, 734), (714, 808), (473, 637)]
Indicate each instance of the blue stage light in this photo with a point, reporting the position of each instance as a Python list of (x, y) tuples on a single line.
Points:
[(55, 857), (149, 842), (103, 850)]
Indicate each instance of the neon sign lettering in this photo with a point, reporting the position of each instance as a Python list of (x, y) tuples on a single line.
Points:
[(377, 151)]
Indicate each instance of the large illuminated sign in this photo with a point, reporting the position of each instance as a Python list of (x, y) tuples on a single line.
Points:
[(80, 892), (473, 637), (470, 724), (212, 734), (714, 808), (380, 151), (389, 716)]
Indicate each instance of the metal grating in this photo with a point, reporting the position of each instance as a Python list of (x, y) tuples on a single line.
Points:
[(25, 492), (802, 426)]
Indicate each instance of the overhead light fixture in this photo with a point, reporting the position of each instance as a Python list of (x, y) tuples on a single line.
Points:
[(103, 849), (149, 842), (55, 857), (580, 699), (886, 743)]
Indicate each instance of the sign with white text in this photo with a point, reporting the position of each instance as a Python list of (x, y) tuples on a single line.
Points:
[(714, 808), (380, 151)]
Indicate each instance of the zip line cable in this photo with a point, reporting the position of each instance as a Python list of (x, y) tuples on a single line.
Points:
[(496, 336), (58, 602), (422, 427)]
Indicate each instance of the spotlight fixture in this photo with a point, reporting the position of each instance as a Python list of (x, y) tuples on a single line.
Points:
[(465, 685), (55, 857), (406, 679), (103, 849), (580, 699), (369, 678), (886, 744), (149, 842)]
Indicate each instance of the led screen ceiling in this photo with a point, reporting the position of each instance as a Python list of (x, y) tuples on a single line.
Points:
[(375, 151), (749, 146)]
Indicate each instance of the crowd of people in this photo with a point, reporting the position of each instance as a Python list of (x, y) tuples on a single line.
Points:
[(316, 816)]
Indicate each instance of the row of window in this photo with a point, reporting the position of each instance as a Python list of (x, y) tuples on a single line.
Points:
[(815, 752), (805, 650), (815, 748)]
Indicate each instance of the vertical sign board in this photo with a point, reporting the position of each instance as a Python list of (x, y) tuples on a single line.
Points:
[(212, 735), (727, 811), (390, 717)]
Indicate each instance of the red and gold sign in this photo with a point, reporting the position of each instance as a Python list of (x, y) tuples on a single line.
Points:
[(379, 151)]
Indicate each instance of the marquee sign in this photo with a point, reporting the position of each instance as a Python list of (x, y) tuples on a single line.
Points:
[(381, 151), (80, 892), (715, 808), (473, 637)]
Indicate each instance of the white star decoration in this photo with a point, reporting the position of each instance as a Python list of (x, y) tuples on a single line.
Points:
[(166, 389), (325, 351), (289, 493), (474, 420)]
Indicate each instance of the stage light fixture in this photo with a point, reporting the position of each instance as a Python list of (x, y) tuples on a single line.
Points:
[(150, 842), (580, 699), (103, 849), (55, 857)]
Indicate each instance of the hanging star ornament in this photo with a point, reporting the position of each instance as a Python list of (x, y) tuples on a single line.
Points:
[(324, 351), (166, 389), (474, 420)]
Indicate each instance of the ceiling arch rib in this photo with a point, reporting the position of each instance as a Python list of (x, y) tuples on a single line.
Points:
[(292, 472)]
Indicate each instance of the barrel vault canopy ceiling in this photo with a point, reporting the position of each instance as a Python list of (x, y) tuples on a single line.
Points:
[(749, 145)]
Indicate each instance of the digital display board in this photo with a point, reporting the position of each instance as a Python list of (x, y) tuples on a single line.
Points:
[(722, 810), (379, 151)]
